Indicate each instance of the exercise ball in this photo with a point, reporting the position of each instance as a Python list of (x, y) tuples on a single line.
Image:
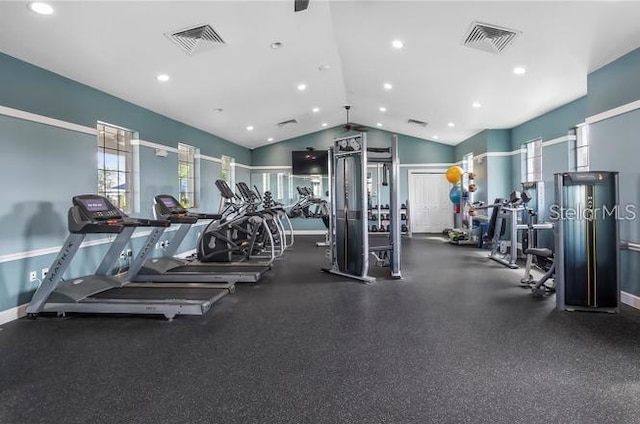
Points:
[(454, 174), (454, 195)]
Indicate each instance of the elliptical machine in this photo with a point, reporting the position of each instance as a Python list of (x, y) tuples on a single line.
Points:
[(240, 235)]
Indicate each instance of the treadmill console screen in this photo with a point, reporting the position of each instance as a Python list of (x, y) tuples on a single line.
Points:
[(97, 207), (170, 204)]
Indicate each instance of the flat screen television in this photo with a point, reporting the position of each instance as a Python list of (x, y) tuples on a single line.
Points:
[(307, 162)]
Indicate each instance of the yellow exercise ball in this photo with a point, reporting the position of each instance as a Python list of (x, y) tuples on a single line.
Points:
[(454, 174)]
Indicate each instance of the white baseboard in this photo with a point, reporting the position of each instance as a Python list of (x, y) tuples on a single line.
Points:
[(13, 313), (630, 299), (309, 232)]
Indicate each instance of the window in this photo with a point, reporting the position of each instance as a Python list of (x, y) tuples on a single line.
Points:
[(280, 185), (187, 175), (115, 179), (582, 148), (532, 161), (467, 162), (228, 170)]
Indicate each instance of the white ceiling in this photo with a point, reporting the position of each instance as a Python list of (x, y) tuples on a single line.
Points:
[(119, 47)]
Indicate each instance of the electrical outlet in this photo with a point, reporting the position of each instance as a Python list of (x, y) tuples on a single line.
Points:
[(33, 276), (44, 272)]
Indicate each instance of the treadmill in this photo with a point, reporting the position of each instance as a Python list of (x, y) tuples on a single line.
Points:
[(170, 271), (112, 294)]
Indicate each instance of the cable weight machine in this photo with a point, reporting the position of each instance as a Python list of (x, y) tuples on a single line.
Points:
[(349, 242)]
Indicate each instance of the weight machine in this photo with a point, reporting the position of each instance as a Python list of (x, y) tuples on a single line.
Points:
[(349, 243)]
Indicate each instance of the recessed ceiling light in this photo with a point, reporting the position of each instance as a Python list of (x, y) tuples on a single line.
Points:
[(435, 137), (324, 124), (316, 109), (323, 68), (398, 44), (218, 110), (163, 77), (276, 45), (250, 128), (41, 8), (270, 139), (302, 87), (383, 109), (519, 70), (387, 86), (451, 124), (476, 104), (379, 124)]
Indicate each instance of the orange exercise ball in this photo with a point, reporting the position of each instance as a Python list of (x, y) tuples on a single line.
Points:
[(454, 174)]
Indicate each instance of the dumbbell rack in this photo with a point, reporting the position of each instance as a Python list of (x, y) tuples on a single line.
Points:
[(378, 213)]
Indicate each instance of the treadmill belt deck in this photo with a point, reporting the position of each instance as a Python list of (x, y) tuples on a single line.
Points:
[(161, 293), (221, 269)]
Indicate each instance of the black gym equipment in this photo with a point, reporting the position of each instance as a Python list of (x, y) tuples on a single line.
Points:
[(190, 272), (349, 228), (587, 241), (104, 292)]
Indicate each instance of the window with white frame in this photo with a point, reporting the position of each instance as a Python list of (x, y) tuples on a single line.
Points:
[(582, 148), (228, 170), (188, 175), (467, 162), (280, 185), (115, 157), (532, 161)]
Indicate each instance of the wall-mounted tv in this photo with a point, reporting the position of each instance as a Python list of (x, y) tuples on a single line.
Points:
[(307, 162)]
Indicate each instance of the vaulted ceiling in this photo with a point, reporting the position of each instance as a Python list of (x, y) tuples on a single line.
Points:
[(340, 50)]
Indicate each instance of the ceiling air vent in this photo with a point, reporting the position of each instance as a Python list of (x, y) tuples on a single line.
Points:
[(196, 39), (289, 122), (417, 122), (489, 38)]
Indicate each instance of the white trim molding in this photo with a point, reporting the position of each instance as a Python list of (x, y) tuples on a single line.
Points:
[(152, 145), (241, 165), (270, 167), (33, 117), (13, 313), (208, 158), (558, 140), (616, 111), (630, 299), (427, 165)]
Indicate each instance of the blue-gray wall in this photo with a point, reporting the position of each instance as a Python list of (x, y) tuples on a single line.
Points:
[(412, 151), (615, 84), (43, 166), (615, 146)]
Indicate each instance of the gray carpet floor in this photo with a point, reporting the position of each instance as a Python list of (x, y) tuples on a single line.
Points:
[(456, 341)]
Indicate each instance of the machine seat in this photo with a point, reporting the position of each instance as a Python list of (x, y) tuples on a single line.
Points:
[(544, 253)]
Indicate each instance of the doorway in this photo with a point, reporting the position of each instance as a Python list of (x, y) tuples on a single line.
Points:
[(430, 207)]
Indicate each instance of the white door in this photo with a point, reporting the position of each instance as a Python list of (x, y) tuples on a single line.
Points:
[(430, 209)]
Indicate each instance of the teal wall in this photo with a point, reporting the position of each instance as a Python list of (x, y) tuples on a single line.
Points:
[(475, 144), (44, 166), (26, 87), (412, 150), (614, 147), (615, 84)]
